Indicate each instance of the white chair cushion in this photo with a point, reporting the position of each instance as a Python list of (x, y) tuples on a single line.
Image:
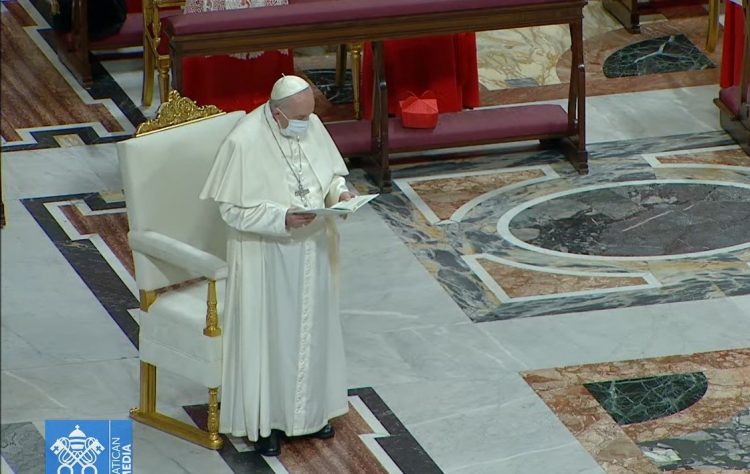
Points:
[(171, 334)]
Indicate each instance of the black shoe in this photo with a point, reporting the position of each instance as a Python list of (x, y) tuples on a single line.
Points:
[(325, 433), (269, 446)]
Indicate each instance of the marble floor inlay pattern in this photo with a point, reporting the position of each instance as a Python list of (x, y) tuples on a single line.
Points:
[(675, 414), (643, 399), (655, 218), (90, 230), (65, 114), (505, 241), (659, 55), (500, 313), (599, 44), (724, 447), (529, 56), (373, 438)]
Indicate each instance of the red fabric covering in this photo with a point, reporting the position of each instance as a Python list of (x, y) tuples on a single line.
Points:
[(135, 6), (447, 65), (234, 84), (731, 55)]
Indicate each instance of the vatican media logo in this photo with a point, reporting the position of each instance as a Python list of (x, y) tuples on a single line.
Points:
[(89, 446)]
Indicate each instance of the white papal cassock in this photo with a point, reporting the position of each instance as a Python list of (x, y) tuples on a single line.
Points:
[(283, 351)]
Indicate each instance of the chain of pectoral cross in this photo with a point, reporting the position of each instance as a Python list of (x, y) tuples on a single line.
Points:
[(301, 191)]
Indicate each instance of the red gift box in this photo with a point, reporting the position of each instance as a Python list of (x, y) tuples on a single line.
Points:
[(419, 112)]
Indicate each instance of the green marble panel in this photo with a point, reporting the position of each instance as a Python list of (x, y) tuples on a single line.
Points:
[(638, 400), (656, 56)]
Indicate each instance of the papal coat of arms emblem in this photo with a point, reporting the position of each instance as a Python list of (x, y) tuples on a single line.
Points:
[(77, 453)]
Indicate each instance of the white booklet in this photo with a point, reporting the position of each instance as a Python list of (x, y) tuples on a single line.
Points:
[(340, 208)]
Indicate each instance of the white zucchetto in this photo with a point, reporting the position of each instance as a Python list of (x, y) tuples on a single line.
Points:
[(288, 86)]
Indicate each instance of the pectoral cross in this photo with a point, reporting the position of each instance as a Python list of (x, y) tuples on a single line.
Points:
[(301, 192)]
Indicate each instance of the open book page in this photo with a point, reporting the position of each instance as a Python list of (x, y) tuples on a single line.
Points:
[(340, 208)]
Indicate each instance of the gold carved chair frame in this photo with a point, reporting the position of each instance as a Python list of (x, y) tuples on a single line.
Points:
[(175, 112)]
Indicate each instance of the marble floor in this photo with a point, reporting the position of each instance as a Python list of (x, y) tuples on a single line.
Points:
[(501, 314)]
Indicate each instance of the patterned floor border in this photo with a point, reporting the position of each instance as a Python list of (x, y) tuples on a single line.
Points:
[(376, 437), (454, 216), (711, 434), (105, 91)]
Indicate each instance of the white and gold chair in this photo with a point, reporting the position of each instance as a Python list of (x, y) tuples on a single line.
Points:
[(179, 250)]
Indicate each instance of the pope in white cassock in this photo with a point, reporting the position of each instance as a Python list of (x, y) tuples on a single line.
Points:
[(284, 371)]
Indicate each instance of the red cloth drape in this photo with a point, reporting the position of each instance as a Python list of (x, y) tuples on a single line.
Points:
[(447, 65), (731, 55), (231, 83), (134, 6)]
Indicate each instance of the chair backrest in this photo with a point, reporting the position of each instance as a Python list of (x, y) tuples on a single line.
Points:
[(163, 173)]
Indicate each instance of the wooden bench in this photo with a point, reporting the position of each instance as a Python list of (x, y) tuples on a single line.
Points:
[(346, 21), (628, 12), (75, 47), (734, 102)]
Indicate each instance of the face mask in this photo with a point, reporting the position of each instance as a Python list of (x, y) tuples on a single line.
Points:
[(295, 128)]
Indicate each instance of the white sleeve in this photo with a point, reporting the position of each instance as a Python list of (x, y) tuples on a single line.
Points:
[(338, 186), (267, 218)]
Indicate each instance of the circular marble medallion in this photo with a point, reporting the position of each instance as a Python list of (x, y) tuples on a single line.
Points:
[(636, 219)]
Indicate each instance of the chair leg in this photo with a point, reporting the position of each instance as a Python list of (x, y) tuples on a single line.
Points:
[(165, 83), (213, 416), (340, 65), (148, 76), (356, 67), (148, 387), (146, 413), (712, 37)]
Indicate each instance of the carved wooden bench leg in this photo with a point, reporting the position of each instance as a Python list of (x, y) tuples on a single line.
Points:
[(340, 65), (574, 146), (626, 12)]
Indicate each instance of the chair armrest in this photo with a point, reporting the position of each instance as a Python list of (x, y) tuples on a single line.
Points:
[(178, 253)]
